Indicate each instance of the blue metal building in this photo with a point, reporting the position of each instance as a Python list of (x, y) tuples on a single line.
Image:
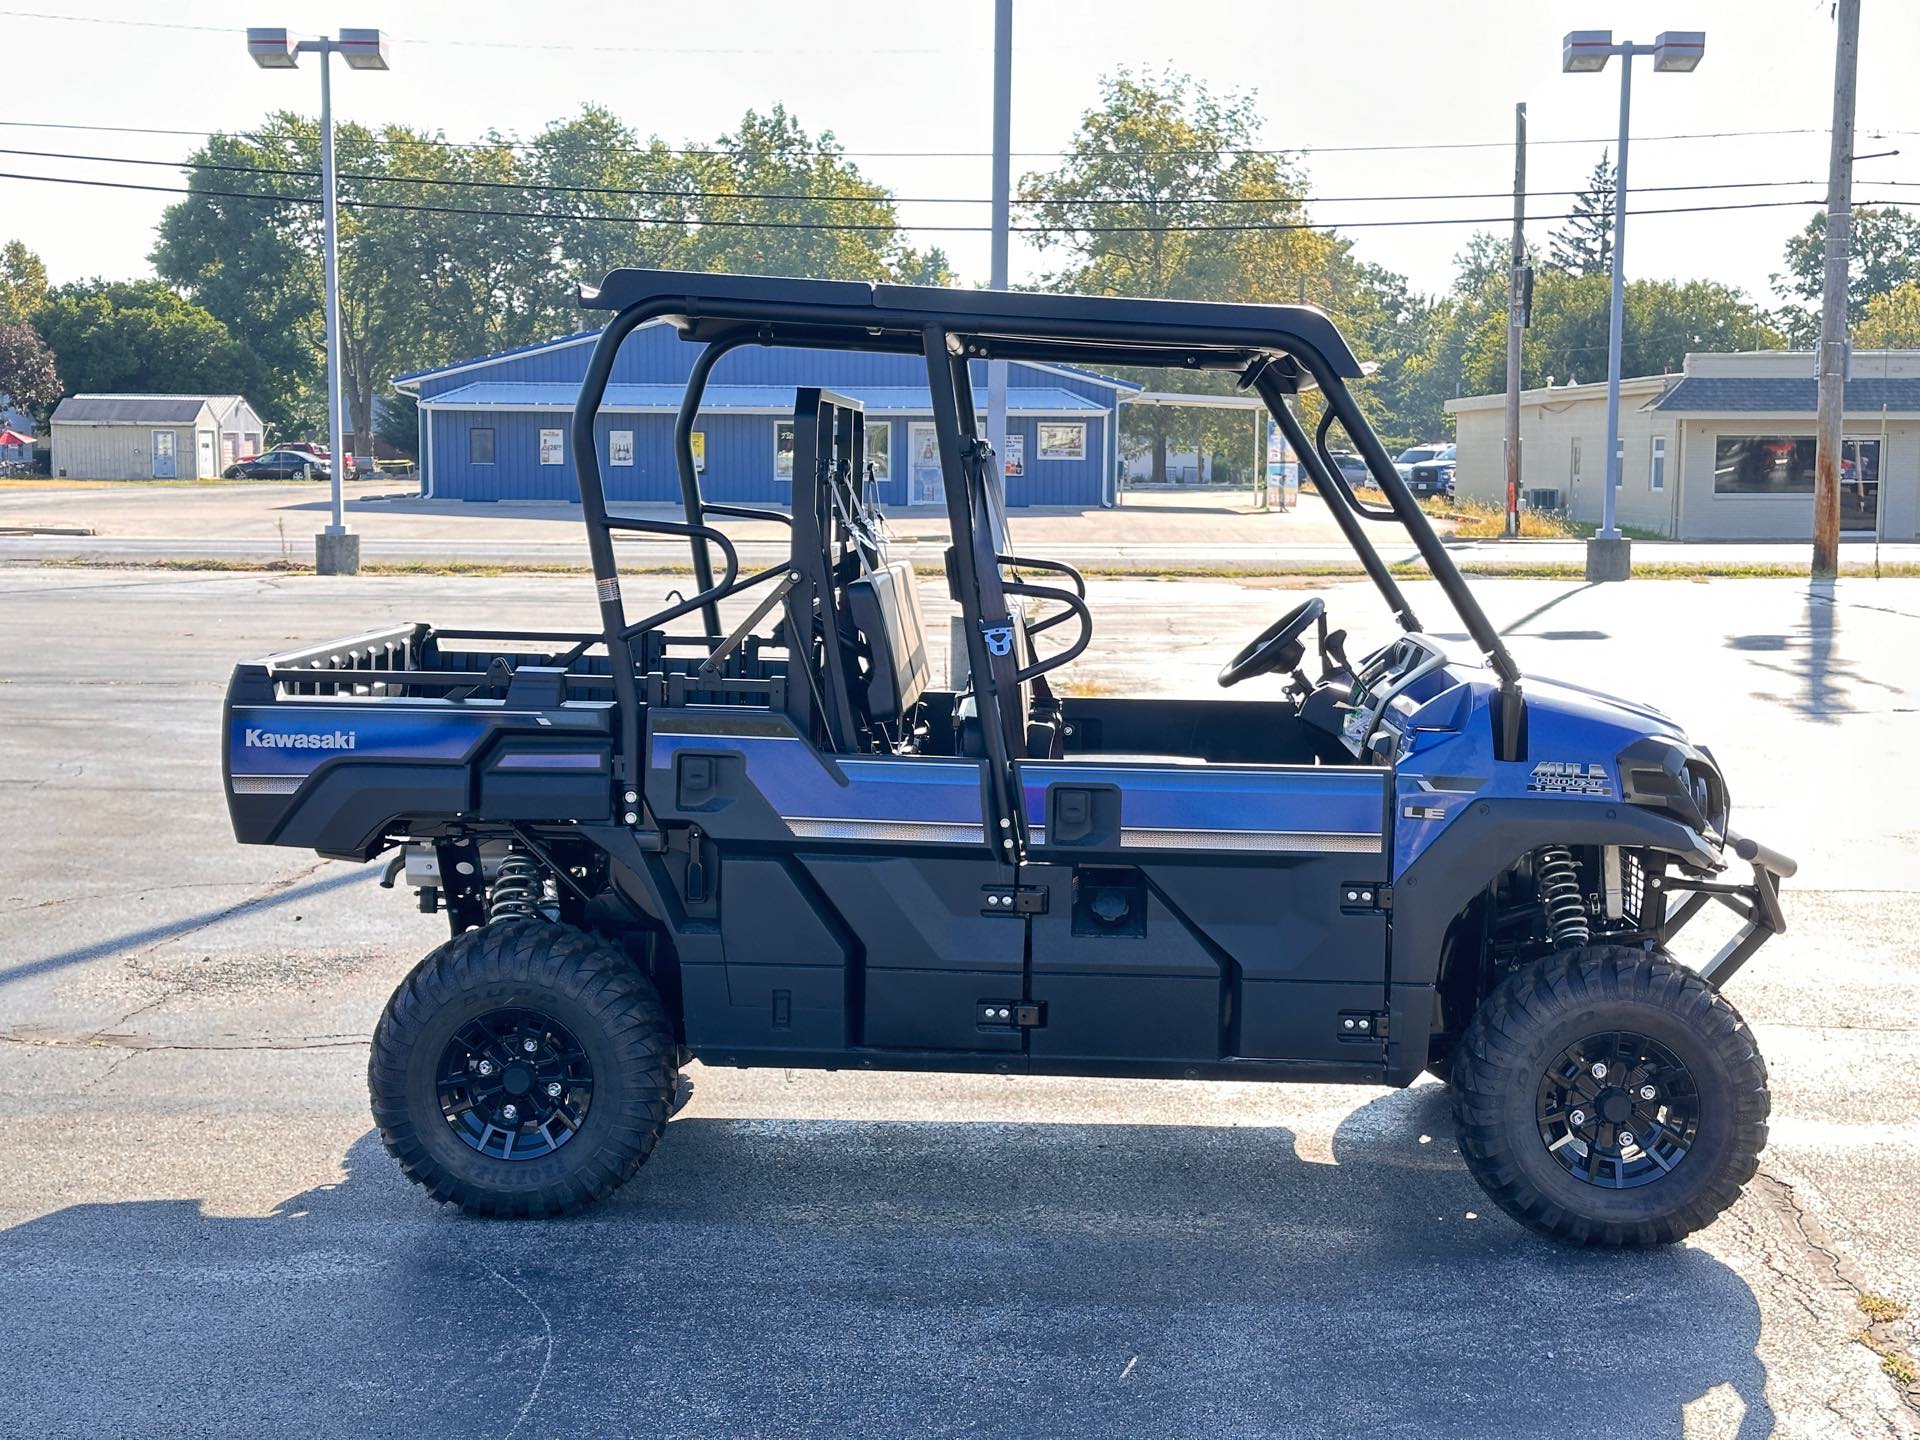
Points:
[(498, 427)]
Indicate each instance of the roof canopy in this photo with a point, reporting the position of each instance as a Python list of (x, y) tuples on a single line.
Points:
[(986, 324)]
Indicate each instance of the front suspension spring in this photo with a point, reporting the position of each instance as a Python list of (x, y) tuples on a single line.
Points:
[(1561, 896)]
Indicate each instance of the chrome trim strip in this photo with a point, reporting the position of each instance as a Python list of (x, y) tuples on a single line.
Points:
[(266, 784), (830, 828), (1291, 841)]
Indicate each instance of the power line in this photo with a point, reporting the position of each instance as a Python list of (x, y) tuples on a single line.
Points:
[(844, 196), (888, 227), (1407, 146)]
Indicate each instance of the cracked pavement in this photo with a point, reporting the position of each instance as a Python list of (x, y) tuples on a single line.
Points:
[(203, 1236)]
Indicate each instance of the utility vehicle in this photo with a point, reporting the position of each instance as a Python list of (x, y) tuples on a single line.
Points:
[(768, 837)]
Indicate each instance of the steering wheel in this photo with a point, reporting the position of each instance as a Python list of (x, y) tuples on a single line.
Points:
[(1277, 647)]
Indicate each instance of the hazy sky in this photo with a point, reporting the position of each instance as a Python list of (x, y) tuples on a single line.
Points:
[(912, 75)]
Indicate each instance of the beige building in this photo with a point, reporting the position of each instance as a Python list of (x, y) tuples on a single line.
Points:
[(152, 437), (1722, 451)]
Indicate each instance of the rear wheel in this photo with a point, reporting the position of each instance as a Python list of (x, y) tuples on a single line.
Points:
[(524, 1068), (1606, 1096)]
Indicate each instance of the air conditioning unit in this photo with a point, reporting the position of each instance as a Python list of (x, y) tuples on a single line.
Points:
[(1542, 499)]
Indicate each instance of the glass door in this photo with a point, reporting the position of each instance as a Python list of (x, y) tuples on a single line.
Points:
[(1860, 485)]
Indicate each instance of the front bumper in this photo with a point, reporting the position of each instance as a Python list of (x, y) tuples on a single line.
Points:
[(1757, 903)]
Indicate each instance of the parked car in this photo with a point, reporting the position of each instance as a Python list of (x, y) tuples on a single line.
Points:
[(1414, 455), (1352, 468), (1432, 476), (282, 463)]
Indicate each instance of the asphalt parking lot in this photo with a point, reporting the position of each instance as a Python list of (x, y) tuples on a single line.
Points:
[(202, 1234)]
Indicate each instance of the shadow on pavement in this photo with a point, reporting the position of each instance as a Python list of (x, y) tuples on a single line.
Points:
[(853, 1278), (1819, 684)]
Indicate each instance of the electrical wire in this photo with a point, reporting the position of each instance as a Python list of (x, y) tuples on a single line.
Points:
[(895, 226), (542, 186), (835, 152)]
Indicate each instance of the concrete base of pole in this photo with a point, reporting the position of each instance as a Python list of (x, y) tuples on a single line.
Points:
[(1609, 559), (336, 554)]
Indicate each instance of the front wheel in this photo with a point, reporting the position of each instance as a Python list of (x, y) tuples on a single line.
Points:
[(522, 1069), (1606, 1096)]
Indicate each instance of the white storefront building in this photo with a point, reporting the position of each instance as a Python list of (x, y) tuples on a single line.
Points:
[(1722, 451)]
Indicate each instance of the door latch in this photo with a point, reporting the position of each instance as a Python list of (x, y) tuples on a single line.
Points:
[(1010, 1015), (1013, 900), (1364, 897), (1362, 1025)]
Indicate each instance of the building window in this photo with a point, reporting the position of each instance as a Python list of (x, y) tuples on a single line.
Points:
[(480, 445), (880, 449), (553, 447), (1063, 441), (1763, 464), (783, 451), (620, 447), (1657, 464)]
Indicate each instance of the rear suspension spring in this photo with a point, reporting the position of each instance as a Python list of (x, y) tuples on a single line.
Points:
[(519, 889), (1561, 896)]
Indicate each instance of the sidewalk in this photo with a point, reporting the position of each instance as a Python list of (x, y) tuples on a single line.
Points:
[(1155, 532)]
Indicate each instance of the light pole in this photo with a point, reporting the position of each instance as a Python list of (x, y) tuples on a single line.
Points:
[(336, 550), (1609, 555)]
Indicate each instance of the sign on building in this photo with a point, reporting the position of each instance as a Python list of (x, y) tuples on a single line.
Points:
[(553, 447)]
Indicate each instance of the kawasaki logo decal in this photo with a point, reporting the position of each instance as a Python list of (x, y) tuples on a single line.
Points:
[(328, 740)]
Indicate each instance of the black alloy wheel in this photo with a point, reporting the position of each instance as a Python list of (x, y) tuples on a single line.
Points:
[(1618, 1109), (515, 1084)]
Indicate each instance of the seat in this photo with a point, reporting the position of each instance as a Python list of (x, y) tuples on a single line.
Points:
[(884, 605)]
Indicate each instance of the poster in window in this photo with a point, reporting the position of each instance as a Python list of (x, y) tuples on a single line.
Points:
[(553, 449), (700, 451), (1063, 442), (620, 447), (1016, 456), (783, 450)]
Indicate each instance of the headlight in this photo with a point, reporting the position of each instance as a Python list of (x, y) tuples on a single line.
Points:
[(1669, 775)]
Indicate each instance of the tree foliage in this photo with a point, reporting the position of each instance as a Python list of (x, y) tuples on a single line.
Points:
[(142, 335), (23, 283), (29, 377), (1885, 254), (1583, 244), (454, 250), (1134, 208), (1892, 320)]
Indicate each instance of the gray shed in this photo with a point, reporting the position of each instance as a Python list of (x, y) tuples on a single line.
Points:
[(152, 437)]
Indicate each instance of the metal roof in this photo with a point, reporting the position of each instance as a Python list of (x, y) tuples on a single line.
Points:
[(740, 399), (135, 409), (1779, 395)]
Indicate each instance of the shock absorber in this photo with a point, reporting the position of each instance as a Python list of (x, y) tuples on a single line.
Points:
[(519, 887), (1558, 880)]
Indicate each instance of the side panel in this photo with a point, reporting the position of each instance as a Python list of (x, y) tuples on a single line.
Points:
[(1208, 912), (877, 865)]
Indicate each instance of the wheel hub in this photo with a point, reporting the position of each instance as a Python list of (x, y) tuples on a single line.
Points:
[(514, 1084), (1618, 1110)]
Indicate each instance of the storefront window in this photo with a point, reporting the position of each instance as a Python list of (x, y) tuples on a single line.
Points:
[(880, 449), (783, 451), (1783, 465)]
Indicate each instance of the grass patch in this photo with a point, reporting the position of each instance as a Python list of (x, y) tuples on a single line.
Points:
[(1879, 1309)]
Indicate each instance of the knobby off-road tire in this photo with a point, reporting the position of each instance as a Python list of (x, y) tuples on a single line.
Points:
[(1501, 1092), (593, 994)]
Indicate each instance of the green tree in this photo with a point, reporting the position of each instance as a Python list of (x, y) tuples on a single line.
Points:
[(1885, 248), (1892, 320), (761, 188), (23, 283), (643, 188), (142, 335), (1155, 160), (1583, 245), (397, 423), (29, 377)]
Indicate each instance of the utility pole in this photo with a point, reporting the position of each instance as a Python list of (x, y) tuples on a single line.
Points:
[(1002, 205), (1516, 316), (1833, 309)]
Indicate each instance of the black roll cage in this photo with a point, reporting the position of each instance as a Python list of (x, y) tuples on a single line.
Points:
[(1277, 350)]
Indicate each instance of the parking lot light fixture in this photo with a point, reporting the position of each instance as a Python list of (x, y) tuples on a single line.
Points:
[(1586, 52), (336, 549)]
